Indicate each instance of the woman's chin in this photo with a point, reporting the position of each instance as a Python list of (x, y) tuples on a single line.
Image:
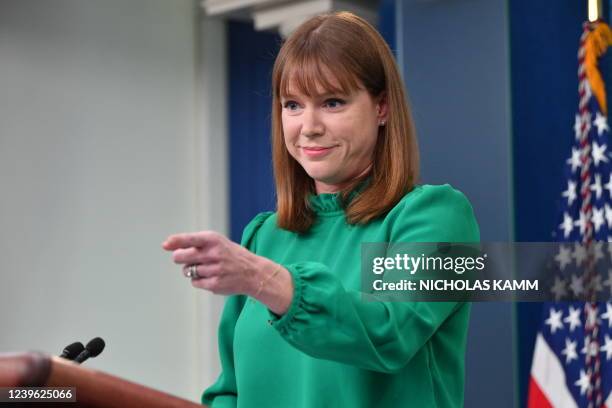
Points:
[(316, 173), (321, 177)]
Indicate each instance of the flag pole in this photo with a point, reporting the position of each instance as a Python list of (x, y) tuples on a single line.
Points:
[(595, 8)]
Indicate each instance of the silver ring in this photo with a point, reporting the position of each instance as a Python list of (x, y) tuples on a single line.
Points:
[(192, 272)]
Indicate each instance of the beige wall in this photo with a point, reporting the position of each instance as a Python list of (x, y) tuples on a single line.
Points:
[(103, 153)]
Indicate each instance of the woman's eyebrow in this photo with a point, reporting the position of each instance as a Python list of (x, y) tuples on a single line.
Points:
[(323, 95)]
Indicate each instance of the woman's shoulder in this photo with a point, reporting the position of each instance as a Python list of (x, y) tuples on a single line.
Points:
[(254, 225), (443, 195), (437, 213)]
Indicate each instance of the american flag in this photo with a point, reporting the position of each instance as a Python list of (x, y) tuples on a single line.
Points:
[(572, 362)]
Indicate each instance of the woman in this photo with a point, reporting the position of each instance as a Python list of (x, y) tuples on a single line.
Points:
[(295, 332)]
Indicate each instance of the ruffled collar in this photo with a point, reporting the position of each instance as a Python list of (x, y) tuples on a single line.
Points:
[(328, 203), (325, 203)]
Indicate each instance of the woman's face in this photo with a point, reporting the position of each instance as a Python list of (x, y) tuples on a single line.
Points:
[(332, 135)]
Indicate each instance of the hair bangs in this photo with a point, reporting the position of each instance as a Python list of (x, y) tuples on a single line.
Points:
[(310, 74)]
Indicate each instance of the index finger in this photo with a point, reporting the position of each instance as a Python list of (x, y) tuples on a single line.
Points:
[(187, 240)]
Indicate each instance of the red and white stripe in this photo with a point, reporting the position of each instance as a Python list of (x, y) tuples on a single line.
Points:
[(547, 384)]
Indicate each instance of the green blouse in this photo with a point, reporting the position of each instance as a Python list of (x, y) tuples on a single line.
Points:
[(331, 349)]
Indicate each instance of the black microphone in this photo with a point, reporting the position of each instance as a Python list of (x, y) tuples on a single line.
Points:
[(92, 349), (72, 350)]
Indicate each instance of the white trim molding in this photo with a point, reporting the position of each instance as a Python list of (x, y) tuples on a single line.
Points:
[(227, 7), (285, 16), (212, 180)]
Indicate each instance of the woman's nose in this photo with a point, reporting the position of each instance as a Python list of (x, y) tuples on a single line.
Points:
[(311, 124)]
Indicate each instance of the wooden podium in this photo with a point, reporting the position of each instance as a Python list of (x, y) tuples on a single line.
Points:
[(93, 388)]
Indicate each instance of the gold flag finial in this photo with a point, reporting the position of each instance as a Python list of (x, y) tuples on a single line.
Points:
[(596, 44)]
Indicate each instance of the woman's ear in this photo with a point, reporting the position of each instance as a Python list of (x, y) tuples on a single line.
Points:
[(382, 108)]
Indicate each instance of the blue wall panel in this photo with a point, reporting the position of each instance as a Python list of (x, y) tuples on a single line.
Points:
[(251, 58), (386, 23), (456, 70)]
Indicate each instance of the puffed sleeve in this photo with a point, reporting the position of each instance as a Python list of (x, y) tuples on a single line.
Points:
[(223, 393), (327, 321)]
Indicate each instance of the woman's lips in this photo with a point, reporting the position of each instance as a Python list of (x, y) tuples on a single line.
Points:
[(317, 151)]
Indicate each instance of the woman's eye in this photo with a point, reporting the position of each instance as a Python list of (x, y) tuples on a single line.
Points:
[(291, 105), (334, 103)]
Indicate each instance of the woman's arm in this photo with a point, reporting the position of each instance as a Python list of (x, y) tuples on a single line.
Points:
[(325, 320), (224, 267)]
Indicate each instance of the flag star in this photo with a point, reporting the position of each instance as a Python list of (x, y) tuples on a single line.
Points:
[(554, 320), (558, 288), (574, 160), (608, 186), (596, 186), (564, 257), (577, 126), (570, 193), (607, 347), (580, 253), (567, 225), (608, 215), (602, 124), (570, 351), (608, 282), (573, 318), (599, 153), (584, 382), (608, 314), (598, 219), (576, 285)]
